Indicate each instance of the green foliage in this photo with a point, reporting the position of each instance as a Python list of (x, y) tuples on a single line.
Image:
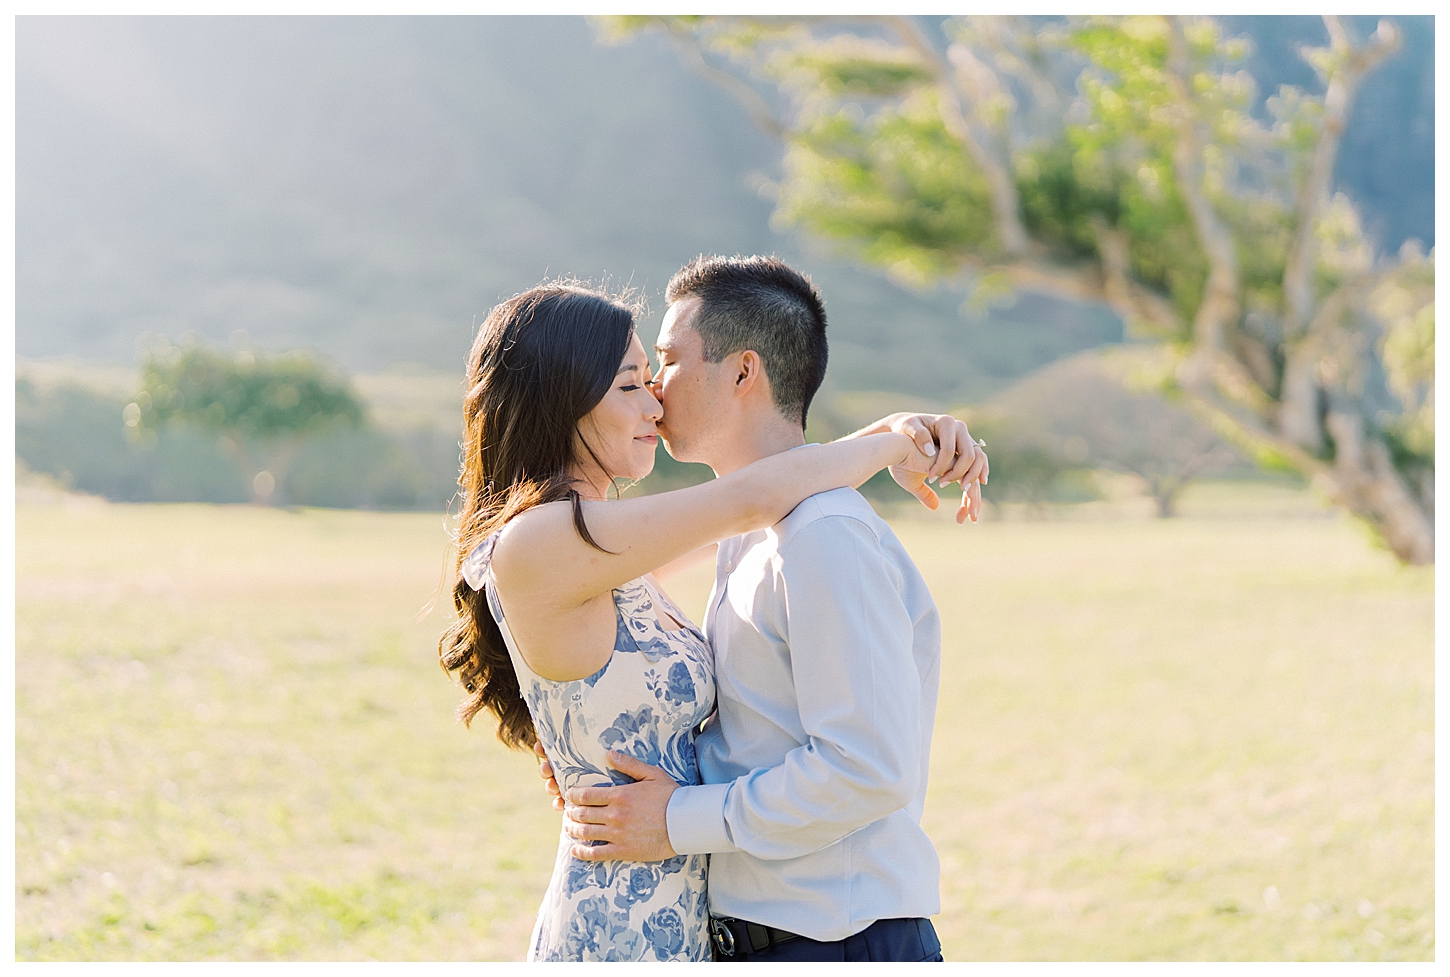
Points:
[(892, 186), (854, 66), (1142, 158), (1263, 228), (1131, 133), (1406, 303), (618, 29), (253, 395), (1062, 191), (78, 436)]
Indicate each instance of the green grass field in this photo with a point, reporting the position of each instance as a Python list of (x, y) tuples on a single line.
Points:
[(1196, 739)]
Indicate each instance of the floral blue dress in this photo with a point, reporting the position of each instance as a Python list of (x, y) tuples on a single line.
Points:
[(647, 701)]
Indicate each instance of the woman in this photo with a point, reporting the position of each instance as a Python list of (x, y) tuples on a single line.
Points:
[(562, 633)]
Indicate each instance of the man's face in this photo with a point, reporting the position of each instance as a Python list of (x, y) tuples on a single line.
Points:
[(687, 386)]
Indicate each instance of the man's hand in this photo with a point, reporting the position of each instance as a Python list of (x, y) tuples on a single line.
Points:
[(959, 459), (629, 817), (546, 771)]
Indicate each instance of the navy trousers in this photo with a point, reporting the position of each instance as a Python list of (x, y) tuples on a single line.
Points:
[(885, 939)]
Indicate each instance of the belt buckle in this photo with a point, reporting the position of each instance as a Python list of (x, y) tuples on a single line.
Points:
[(723, 937)]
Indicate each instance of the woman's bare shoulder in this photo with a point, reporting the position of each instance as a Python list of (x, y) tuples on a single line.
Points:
[(528, 535)]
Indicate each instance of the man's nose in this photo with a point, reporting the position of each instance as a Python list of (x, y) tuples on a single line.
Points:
[(653, 386)]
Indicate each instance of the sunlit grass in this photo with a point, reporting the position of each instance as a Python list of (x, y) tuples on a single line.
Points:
[(1203, 738)]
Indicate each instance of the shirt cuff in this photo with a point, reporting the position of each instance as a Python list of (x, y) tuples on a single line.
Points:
[(695, 820)]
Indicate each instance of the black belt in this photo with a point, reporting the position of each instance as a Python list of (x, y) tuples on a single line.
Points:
[(740, 937)]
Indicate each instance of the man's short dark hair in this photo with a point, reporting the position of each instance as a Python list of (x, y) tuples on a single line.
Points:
[(760, 303)]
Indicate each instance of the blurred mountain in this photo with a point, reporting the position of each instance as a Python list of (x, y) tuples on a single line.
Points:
[(369, 187)]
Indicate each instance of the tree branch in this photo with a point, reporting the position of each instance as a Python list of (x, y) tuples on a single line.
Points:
[(1219, 310), (1365, 481), (1343, 85), (1043, 91), (1299, 413), (1127, 297), (1006, 207), (694, 58), (1249, 433)]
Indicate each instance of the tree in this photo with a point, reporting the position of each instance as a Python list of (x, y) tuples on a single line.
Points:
[(1028, 464), (1089, 410), (260, 407), (1121, 160)]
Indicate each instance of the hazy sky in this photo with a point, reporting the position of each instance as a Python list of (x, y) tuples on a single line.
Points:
[(369, 186)]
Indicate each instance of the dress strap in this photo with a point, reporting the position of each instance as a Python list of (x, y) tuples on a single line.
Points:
[(476, 565), (477, 569)]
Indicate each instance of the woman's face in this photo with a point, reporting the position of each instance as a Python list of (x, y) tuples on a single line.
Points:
[(621, 428)]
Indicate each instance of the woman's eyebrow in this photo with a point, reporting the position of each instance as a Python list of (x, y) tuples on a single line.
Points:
[(631, 368)]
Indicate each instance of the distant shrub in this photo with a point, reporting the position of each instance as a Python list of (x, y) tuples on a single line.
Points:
[(79, 437)]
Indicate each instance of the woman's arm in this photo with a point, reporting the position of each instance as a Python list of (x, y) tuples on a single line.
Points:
[(548, 566), (682, 563), (961, 458)]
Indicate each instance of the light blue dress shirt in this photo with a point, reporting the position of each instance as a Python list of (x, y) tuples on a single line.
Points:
[(827, 661)]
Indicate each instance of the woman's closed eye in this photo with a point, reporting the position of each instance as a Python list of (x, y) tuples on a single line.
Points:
[(629, 389)]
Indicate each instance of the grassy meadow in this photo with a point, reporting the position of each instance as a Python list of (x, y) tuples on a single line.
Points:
[(1206, 738)]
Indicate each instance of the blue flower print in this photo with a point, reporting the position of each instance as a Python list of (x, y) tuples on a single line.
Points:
[(665, 931), (625, 945), (580, 876), (647, 702), (640, 623), (588, 929), (623, 639), (639, 885), (680, 760), (634, 732), (679, 686), (595, 933), (604, 873)]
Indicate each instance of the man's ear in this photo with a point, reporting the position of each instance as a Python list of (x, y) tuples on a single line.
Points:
[(749, 372)]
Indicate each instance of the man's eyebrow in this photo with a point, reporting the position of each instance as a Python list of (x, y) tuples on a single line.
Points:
[(663, 348)]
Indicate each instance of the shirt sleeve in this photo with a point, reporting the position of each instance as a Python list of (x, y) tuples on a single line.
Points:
[(850, 638)]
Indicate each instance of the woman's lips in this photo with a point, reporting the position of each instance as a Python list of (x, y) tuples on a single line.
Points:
[(651, 438)]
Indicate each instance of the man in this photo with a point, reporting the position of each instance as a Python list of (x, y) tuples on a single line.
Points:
[(827, 653)]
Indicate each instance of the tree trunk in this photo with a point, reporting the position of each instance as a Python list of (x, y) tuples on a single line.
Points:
[(1301, 396), (277, 461), (1301, 403), (1363, 479), (1166, 495)]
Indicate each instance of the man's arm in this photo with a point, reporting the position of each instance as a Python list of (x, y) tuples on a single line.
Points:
[(859, 697)]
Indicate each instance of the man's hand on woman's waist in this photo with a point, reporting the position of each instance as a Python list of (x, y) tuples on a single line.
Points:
[(629, 819)]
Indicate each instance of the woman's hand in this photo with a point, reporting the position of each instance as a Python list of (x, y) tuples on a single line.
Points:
[(959, 458)]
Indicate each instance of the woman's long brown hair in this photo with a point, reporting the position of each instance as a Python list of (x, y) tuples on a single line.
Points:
[(542, 360)]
